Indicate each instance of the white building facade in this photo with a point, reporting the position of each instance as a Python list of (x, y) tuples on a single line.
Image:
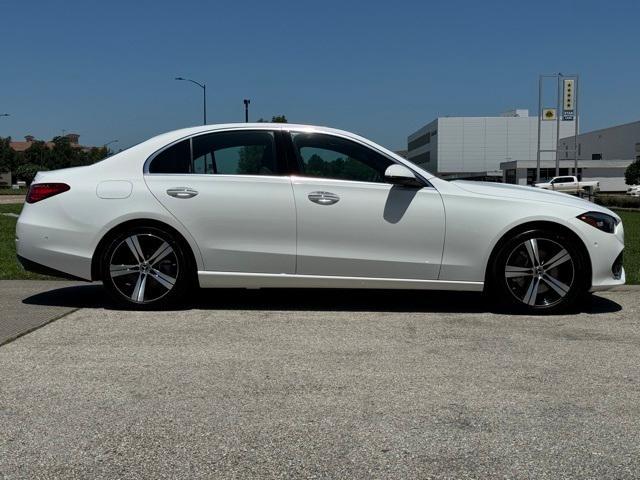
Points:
[(474, 147), (621, 142)]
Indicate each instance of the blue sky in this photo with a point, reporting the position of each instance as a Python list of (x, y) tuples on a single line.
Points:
[(382, 69)]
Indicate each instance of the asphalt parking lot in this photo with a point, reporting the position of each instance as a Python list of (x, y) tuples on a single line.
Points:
[(321, 384)]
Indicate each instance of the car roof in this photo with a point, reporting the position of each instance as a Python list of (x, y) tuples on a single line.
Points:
[(148, 147), (260, 126)]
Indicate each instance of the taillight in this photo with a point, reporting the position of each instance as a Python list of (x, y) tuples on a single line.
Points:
[(40, 191)]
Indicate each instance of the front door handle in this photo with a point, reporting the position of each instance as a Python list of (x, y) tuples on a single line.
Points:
[(182, 192), (323, 198)]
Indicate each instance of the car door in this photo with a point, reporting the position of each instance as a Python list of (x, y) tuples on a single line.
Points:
[(230, 191), (351, 223), (573, 182)]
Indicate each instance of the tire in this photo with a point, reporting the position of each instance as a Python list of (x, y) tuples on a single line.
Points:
[(146, 268), (540, 271)]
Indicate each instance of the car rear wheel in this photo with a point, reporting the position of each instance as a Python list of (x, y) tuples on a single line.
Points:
[(540, 271), (145, 267)]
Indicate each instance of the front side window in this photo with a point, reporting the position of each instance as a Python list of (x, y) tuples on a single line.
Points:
[(222, 153), (326, 156)]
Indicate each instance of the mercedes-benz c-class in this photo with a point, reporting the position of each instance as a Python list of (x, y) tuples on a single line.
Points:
[(279, 205)]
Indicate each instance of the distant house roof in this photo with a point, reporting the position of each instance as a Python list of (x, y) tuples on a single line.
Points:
[(30, 139), (20, 146)]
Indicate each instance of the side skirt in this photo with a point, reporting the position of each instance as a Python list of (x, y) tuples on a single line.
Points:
[(286, 280)]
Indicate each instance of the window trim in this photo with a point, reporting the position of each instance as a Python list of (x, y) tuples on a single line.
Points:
[(284, 149), (276, 145), (291, 150)]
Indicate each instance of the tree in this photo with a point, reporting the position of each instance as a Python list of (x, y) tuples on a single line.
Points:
[(7, 155), (250, 159), (95, 154), (275, 119), (27, 172), (632, 174), (63, 155), (38, 154)]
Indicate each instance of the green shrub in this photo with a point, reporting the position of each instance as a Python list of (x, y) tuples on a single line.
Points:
[(622, 201)]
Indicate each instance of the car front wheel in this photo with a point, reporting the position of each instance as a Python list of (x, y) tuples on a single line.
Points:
[(540, 271)]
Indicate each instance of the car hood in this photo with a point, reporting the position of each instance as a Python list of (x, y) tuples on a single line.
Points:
[(533, 194)]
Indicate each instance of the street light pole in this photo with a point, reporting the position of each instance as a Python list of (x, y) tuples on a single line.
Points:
[(246, 110), (109, 143), (204, 95)]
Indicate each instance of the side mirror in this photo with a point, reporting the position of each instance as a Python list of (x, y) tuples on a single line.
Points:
[(397, 174)]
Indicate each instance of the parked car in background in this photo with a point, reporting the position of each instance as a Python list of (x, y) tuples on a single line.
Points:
[(280, 205), (569, 184), (634, 191)]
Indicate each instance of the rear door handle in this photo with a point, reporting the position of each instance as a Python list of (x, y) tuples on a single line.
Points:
[(182, 192), (323, 198)]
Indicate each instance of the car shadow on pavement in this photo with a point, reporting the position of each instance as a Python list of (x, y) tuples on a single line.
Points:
[(94, 296)]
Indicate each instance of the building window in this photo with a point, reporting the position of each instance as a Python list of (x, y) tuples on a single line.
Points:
[(420, 141), (510, 176), (422, 160), (596, 156)]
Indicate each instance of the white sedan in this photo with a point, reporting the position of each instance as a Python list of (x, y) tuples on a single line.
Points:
[(279, 205), (634, 191)]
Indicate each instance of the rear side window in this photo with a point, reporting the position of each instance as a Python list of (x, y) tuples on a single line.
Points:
[(175, 159), (235, 153), (222, 153)]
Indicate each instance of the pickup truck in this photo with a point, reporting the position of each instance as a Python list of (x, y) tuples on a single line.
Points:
[(569, 185)]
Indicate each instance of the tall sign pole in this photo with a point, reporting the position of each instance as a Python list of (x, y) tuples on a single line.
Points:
[(558, 127), (539, 128), (566, 111), (570, 113)]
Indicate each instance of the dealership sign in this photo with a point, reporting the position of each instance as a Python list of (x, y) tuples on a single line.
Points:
[(568, 99)]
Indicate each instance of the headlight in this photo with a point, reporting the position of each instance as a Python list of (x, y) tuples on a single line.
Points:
[(599, 220)]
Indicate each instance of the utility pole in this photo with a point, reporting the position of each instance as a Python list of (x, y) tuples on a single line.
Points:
[(246, 110)]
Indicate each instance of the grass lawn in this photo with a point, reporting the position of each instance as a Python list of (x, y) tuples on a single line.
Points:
[(11, 191), (11, 269), (631, 222)]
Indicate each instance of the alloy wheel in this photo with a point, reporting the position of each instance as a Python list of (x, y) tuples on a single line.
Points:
[(539, 272), (144, 268)]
